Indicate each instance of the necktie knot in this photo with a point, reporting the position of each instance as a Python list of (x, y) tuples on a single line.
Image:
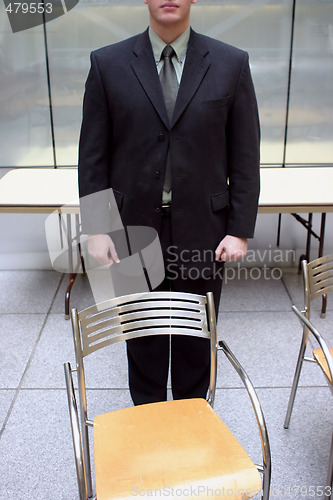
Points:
[(168, 51)]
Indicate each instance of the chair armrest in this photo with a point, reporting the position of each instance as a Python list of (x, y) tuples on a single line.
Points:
[(76, 433), (266, 453), (307, 324)]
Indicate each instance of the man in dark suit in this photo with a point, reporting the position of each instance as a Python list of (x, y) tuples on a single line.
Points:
[(208, 144)]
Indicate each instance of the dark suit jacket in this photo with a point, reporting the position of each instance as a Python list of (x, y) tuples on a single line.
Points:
[(213, 138)]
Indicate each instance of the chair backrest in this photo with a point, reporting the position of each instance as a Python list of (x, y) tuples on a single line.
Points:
[(144, 314), (318, 279)]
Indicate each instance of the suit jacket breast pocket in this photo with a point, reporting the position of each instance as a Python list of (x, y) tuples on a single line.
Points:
[(216, 103)]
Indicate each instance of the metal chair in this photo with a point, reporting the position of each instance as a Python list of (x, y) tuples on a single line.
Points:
[(318, 281), (178, 448)]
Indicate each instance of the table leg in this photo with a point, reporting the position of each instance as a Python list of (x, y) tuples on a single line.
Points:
[(68, 293), (320, 254), (73, 272), (70, 264), (308, 225), (322, 235)]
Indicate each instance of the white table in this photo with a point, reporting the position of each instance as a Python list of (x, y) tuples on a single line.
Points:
[(42, 190), (283, 190), (38, 190), (296, 189)]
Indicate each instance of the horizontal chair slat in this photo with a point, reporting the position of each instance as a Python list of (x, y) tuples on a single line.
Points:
[(196, 316), (143, 298), (144, 323), (110, 338), (325, 275), (137, 307)]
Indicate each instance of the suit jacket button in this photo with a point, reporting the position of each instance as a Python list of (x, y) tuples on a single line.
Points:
[(157, 174), (157, 210), (160, 137)]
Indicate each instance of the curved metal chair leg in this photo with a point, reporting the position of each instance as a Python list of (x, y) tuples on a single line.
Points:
[(330, 473), (295, 383), (265, 446), (76, 434)]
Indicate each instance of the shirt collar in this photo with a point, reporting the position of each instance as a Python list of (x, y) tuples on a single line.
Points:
[(179, 45)]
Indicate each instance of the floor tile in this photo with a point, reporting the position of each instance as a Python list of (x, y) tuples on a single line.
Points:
[(36, 451), (80, 296), (36, 454), (300, 454), (253, 289), (6, 398), (18, 334), (27, 291), (293, 282), (267, 346), (56, 347), (256, 321), (105, 400)]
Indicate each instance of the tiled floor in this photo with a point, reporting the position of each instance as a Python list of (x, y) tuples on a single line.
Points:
[(36, 455)]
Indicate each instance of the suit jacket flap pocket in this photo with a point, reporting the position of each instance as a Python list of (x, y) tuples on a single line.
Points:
[(220, 201)]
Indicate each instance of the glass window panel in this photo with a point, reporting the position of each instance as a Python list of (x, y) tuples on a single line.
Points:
[(262, 27), (310, 126), (25, 132), (71, 38)]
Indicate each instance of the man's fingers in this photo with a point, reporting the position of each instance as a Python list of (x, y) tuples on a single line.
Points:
[(102, 256), (112, 254), (219, 252), (231, 248), (101, 248)]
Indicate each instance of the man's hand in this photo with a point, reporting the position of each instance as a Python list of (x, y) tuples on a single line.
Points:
[(101, 247), (231, 248)]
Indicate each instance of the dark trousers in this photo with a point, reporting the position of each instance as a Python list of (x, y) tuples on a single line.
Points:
[(189, 357)]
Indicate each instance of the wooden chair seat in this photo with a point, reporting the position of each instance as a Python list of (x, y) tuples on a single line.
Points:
[(321, 360), (180, 444)]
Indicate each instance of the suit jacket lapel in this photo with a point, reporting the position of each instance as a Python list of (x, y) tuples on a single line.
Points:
[(145, 69), (197, 63)]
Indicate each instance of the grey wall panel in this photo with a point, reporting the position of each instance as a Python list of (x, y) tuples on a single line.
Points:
[(310, 126), (25, 132)]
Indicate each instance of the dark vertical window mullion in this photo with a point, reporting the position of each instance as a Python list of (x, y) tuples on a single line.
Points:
[(287, 105), (289, 82), (49, 90)]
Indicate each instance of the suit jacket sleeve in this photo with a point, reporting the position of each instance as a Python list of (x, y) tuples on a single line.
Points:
[(94, 153), (243, 133)]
